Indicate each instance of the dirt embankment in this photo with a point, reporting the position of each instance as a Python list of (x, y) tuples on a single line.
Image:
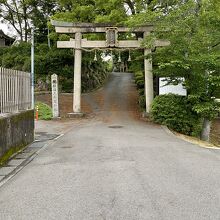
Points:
[(215, 134), (65, 103)]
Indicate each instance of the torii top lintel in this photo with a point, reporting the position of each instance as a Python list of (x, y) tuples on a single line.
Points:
[(111, 35), (69, 27)]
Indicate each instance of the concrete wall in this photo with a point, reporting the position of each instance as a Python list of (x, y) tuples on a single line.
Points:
[(16, 131)]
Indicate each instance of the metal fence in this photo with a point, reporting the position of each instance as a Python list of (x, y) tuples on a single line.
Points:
[(15, 90)]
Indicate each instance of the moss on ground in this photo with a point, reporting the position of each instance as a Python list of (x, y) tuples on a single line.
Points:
[(10, 153)]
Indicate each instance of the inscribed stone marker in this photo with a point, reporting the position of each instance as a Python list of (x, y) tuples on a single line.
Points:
[(55, 101)]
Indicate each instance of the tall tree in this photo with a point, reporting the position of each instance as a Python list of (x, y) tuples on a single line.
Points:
[(22, 15), (92, 11), (16, 14), (40, 15), (193, 29)]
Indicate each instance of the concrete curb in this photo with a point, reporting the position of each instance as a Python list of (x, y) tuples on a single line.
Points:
[(189, 139), (27, 160)]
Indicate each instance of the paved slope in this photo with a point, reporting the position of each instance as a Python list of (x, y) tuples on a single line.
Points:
[(115, 167)]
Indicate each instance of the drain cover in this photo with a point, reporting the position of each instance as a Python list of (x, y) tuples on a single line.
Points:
[(115, 126), (67, 147)]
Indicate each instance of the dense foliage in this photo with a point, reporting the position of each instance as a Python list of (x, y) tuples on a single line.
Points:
[(48, 62), (23, 15), (176, 112), (193, 29), (139, 80)]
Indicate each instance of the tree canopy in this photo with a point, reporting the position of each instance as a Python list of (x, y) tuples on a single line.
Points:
[(193, 29)]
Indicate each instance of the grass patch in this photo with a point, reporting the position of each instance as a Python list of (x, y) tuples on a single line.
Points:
[(44, 111)]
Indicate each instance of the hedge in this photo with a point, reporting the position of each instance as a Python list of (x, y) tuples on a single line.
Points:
[(176, 113)]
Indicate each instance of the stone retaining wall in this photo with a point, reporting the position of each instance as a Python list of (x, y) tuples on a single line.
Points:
[(16, 132)]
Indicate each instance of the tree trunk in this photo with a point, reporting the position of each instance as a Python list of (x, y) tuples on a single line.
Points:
[(206, 130)]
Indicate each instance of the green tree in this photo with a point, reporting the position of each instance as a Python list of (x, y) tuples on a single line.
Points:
[(92, 11), (16, 14), (22, 15), (193, 30), (41, 12)]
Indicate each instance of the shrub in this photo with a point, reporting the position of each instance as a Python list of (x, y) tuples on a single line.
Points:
[(176, 112), (44, 111), (139, 81), (142, 102)]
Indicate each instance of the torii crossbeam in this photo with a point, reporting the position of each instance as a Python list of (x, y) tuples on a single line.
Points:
[(111, 42)]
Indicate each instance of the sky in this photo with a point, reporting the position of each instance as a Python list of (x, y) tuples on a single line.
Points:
[(4, 27), (8, 31)]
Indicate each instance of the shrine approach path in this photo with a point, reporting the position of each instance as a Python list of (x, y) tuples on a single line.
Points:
[(114, 166)]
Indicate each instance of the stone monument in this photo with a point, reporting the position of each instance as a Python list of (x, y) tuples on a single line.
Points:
[(55, 95)]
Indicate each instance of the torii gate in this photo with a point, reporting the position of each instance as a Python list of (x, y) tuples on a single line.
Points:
[(111, 42)]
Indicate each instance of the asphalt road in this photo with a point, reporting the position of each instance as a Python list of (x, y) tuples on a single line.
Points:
[(115, 167)]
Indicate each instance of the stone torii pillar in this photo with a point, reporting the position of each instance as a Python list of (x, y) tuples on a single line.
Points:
[(77, 75), (149, 82)]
